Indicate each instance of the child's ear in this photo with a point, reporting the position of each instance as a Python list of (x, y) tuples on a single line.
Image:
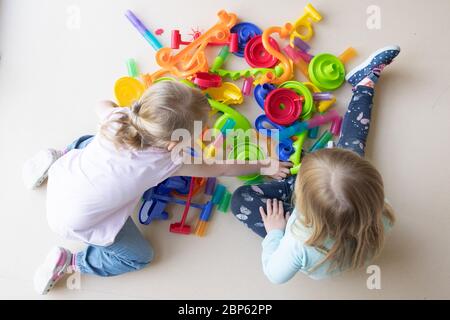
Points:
[(172, 145)]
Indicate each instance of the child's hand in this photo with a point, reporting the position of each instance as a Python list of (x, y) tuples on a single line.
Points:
[(282, 169), (275, 218)]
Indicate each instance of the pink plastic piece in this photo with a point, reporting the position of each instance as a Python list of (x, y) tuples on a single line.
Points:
[(232, 43), (196, 33), (336, 126), (159, 31), (176, 40), (247, 86), (295, 54), (319, 120), (206, 80), (305, 56), (292, 53)]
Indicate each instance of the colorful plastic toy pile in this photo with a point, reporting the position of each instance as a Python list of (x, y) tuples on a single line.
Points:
[(295, 108)]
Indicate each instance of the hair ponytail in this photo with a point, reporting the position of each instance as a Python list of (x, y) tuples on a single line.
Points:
[(150, 121)]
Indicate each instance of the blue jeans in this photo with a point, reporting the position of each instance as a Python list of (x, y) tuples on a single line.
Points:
[(80, 143), (129, 252), (247, 199)]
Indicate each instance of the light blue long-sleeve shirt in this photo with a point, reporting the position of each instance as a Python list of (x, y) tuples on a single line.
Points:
[(284, 254)]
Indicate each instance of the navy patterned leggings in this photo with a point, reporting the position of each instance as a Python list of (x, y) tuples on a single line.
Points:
[(247, 199)]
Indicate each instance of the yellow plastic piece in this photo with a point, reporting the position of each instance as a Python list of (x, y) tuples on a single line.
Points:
[(348, 54), (285, 63), (201, 143), (322, 106), (228, 93), (128, 90), (210, 150), (192, 59), (325, 105), (304, 23)]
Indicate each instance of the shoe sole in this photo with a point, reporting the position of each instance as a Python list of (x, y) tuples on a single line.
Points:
[(45, 165), (52, 276), (366, 62)]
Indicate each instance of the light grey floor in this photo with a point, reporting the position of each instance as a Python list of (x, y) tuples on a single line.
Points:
[(51, 74)]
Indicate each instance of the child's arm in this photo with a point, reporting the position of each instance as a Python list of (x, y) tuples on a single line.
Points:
[(272, 168), (104, 108), (281, 257)]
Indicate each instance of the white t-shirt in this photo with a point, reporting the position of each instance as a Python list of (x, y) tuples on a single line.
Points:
[(92, 191)]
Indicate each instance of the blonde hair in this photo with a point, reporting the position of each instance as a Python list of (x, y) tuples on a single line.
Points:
[(163, 108), (340, 196)]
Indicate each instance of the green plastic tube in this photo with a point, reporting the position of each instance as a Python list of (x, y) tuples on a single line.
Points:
[(321, 142), (221, 58), (132, 68), (225, 203)]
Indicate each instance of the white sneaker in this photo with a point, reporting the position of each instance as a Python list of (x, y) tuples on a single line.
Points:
[(35, 170), (53, 269)]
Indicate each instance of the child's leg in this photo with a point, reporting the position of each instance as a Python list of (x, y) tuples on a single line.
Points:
[(129, 252), (363, 78), (35, 170), (247, 199), (356, 123)]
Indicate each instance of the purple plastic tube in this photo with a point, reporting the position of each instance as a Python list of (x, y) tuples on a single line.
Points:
[(151, 39), (321, 96), (302, 45)]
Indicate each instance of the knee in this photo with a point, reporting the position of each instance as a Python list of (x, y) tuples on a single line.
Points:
[(238, 198), (147, 255), (140, 258)]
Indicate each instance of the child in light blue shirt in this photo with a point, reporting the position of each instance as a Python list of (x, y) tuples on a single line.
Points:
[(333, 215)]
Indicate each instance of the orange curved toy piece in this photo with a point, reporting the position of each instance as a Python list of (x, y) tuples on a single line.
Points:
[(192, 59), (286, 65)]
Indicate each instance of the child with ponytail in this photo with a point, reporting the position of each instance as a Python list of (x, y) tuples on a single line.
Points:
[(95, 184)]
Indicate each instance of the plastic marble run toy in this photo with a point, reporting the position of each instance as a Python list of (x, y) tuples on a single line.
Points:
[(295, 108), (174, 190)]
